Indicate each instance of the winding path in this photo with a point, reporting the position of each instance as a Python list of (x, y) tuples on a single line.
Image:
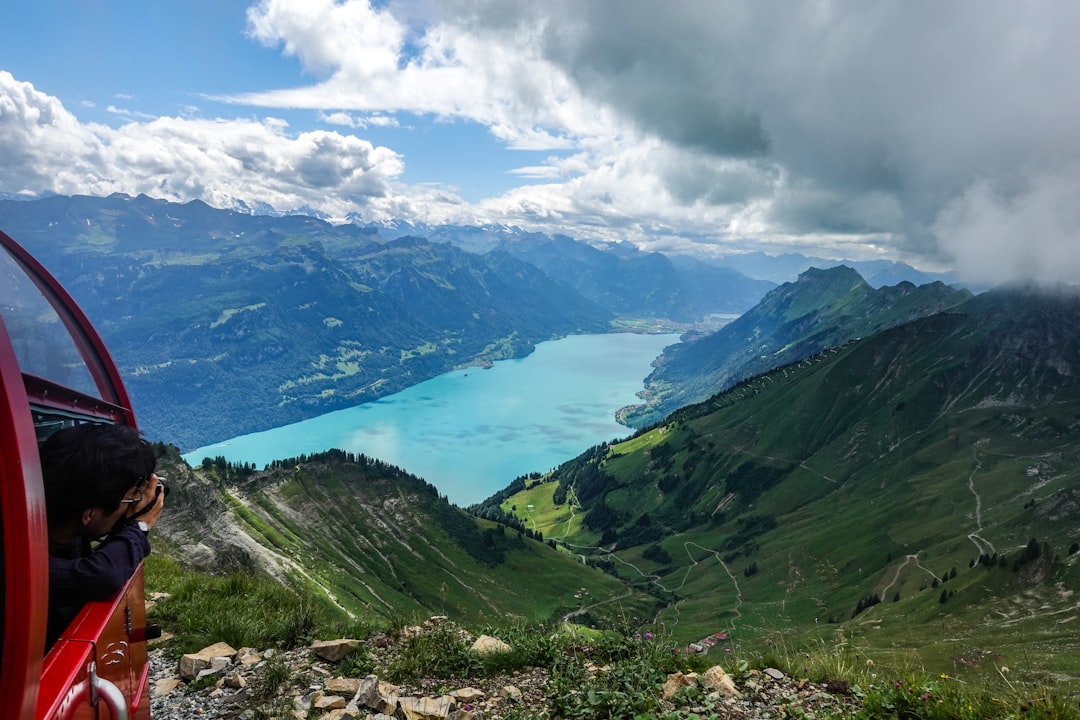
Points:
[(984, 546)]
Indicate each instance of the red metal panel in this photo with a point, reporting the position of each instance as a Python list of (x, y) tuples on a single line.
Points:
[(46, 394), (25, 531), (65, 687), (110, 635)]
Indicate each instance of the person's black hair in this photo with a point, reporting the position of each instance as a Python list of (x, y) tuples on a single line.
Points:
[(91, 465)]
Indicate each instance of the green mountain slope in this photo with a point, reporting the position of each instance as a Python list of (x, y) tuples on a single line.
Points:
[(822, 309), (914, 467), (224, 323), (375, 541)]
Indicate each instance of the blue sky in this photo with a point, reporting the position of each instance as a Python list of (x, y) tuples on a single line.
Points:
[(113, 62), (942, 134)]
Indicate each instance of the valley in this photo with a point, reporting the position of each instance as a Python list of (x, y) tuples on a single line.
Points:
[(890, 472)]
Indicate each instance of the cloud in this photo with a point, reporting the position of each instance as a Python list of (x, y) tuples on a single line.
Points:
[(351, 121), (938, 133), (816, 120), (1017, 227), (43, 147)]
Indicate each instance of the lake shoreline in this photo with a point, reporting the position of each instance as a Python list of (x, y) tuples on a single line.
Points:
[(471, 433)]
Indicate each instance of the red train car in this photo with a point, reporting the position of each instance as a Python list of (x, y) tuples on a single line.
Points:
[(55, 371)]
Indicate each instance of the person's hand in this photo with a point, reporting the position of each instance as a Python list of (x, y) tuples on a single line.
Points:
[(149, 510)]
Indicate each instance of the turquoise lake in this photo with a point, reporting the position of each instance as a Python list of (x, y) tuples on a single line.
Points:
[(471, 432)]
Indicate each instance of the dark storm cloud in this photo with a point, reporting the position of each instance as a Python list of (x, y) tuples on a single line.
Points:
[(904, 117)]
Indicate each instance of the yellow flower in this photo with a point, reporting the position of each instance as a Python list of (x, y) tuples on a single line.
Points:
[(943, 676)]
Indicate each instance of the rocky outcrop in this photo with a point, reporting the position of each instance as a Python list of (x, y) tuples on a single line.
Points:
[(247, 683)]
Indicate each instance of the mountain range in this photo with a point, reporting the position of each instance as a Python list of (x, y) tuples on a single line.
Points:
[(224, 323), (890, 468), (910, 494)]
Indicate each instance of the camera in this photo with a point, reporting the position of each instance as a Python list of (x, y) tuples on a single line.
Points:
[(163, 484)]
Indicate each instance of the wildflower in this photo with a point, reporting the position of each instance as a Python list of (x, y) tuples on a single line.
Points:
[(944, 676), (648, 636)]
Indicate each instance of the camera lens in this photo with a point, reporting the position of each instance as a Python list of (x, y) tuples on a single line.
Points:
[(164, 483)]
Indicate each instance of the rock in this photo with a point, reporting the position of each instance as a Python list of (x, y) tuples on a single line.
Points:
[(488, 644), (194, 663), (242, 697), (248, 657), (426, 708), (377, 695), (235, 681), (677, 681), (164, 686), (161, 639), (467, 695), (511, 693), (329, 702), (773, 673), (339, 714), (342, 686), (333, 650), (716, 679)]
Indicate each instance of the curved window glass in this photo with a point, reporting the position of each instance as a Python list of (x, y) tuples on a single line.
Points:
[(43, 346)]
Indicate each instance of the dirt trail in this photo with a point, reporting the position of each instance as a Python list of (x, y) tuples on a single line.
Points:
[(984, 546), (734, 581), (896, 574)]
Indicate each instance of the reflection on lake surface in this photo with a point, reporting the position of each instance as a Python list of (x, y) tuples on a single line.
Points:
[(471, 432)]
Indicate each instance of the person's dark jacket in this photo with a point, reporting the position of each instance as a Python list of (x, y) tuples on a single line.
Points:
[(79, 574)]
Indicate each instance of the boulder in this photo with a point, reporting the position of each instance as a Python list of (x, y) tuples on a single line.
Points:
[(213, 657), (716, 679), (164, 686), (468, 695), (377, 695), (488, 644), (677, 681), (426, 708), (333, 650), (342, 685), (329, 702)]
